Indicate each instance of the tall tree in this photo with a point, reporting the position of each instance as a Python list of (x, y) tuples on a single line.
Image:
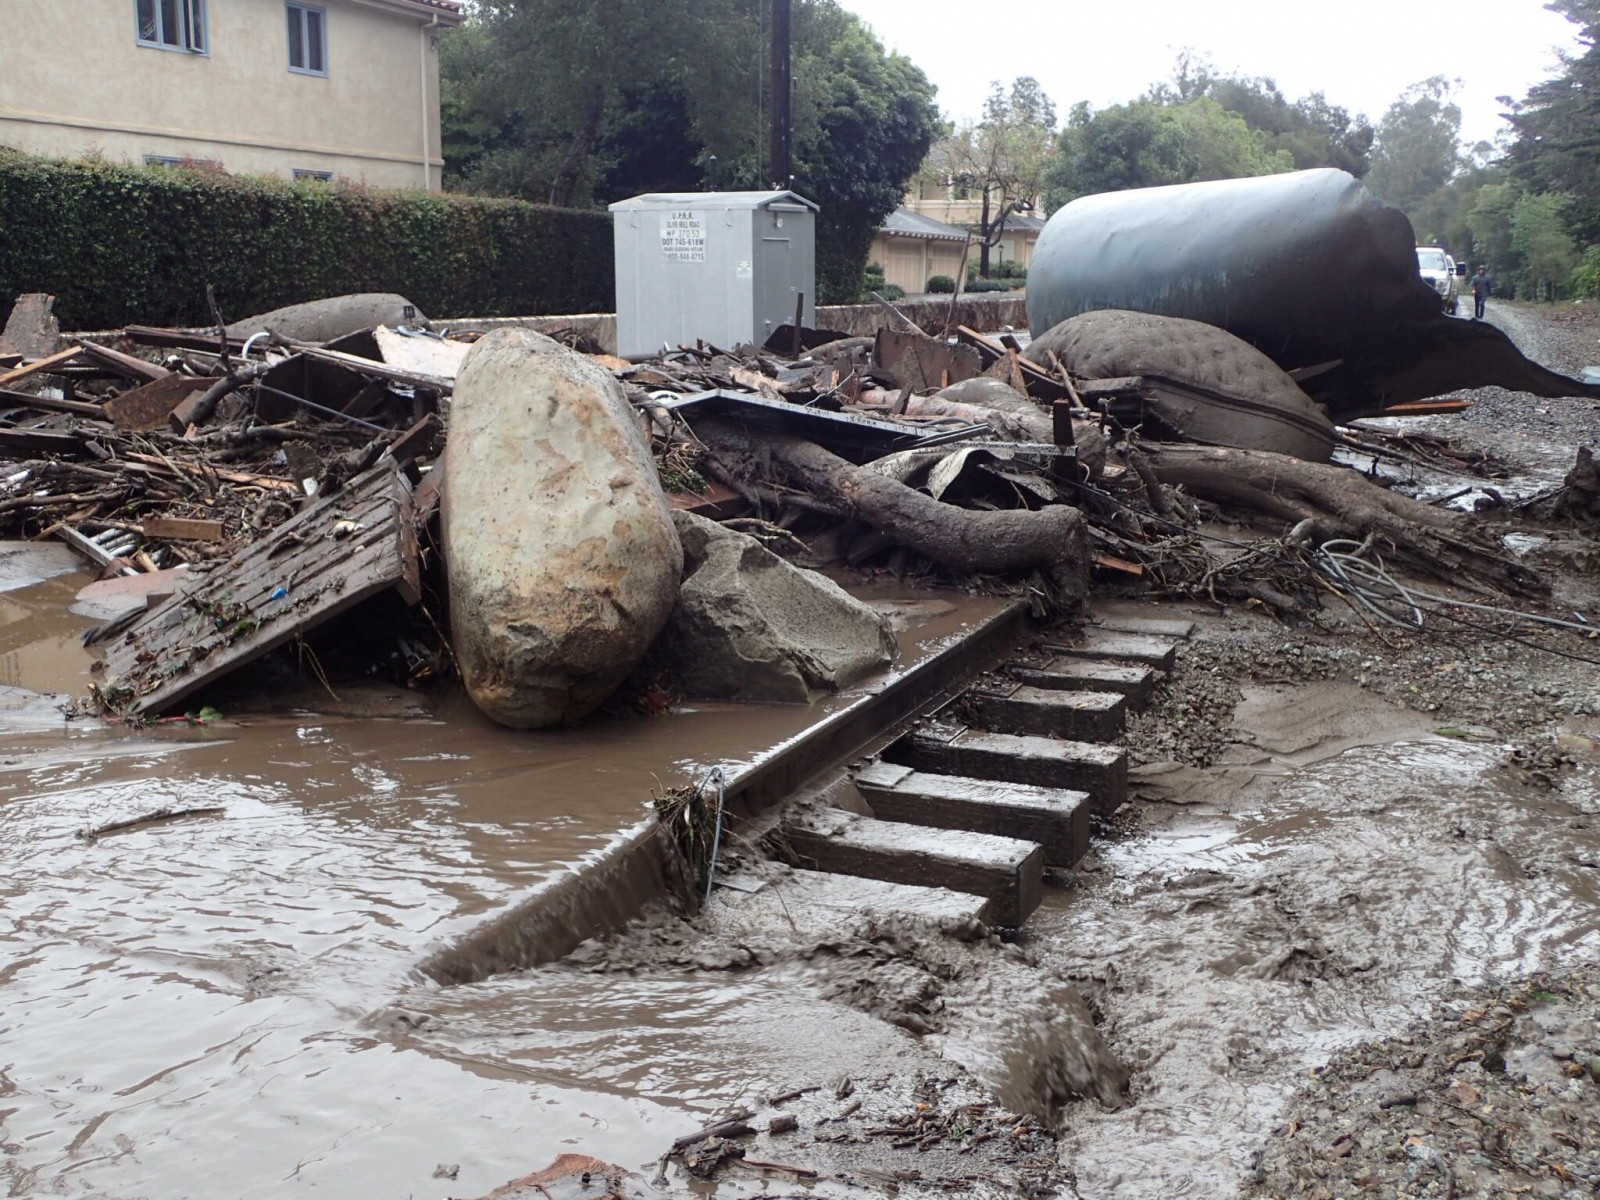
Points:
[(1556, 130), (1147, 144), (1000, 159), (570, 101), (1418, 145)]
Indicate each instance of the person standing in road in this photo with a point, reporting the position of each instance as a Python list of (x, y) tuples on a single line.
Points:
[(1482, 289)]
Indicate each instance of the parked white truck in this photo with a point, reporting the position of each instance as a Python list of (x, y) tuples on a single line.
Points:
[(1440, 272)]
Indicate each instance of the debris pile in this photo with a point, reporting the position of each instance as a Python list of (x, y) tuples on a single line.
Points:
[(284, 480)]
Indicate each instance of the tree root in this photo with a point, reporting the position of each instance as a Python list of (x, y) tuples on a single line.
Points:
[(1343, 503), (1052, 539)]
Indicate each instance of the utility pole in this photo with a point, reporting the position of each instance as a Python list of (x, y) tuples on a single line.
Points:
[(782, 168)]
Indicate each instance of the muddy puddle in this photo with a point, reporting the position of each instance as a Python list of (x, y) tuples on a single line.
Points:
[(228, 1005), (1343, 870)]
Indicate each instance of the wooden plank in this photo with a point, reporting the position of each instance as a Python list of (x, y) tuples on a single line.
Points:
[(367, 366), (38, 366), (1110, 562), (1151, 626), (183, 529), (1426, 408), (1102, 771), (1038, 382), (78, 408), (1056, 819), (179, 339), (32, 329), (1009, 873), (43, 441), (148, 406), (276, 589), (126, 364), (421, 440)]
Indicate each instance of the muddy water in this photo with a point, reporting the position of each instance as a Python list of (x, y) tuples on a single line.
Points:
[(221, 1006), (1341, 875)]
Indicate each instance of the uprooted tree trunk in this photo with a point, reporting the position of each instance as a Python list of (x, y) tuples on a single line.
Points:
[(1053, 539), (1343, 503)]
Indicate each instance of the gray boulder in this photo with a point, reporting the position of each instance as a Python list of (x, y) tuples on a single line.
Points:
[(562, 556), (750, 626)]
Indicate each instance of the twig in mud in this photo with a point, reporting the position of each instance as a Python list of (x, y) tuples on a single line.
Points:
[(794, 1095), (800, 1172), (160, 817)]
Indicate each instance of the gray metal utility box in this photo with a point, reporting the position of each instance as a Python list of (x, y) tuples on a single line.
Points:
[(721, 266)]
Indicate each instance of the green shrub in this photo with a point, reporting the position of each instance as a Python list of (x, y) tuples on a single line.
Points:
[(1010, 269), (1585, 279), (941, 283), (991, 285), (872, 280), (119, 244)]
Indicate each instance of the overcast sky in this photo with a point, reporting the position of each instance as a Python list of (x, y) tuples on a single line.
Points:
[(1361, 53)]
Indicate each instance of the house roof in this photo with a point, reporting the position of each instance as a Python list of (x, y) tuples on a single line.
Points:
[(450, 8), (1023, 222), (905, 223)]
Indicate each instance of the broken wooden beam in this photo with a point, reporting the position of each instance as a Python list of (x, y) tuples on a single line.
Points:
[(342, 550), (78, 408), (123, 364), (1055, 818), (44, 441), (39, 366), (1007, 872)]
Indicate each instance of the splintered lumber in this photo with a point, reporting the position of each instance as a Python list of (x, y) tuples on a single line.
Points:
[(60, 358), (148, 406), (1427, 408), (923, 363), (31, 330), (1036, 380), (342, 550)]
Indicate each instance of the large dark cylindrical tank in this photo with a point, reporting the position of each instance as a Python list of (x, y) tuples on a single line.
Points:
[(1308, 267), (1297, 265)]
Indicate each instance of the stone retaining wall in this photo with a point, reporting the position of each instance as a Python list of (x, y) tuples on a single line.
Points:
[(987, 314)]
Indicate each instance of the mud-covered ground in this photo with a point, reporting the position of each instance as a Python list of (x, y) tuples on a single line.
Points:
[(1346, 934)]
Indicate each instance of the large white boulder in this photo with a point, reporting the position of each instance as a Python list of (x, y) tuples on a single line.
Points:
[(562, 556)]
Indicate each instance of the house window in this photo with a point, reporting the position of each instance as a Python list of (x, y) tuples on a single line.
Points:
[(164, 160), (172, 24), (308, 39), (319, 176)]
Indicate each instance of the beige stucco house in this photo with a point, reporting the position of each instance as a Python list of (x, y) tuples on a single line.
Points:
[(946, 204), (335, 88)]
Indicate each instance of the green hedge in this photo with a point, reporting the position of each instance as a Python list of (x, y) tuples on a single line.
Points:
[(119, 245)]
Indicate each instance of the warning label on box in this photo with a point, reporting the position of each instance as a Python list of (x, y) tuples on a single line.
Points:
[(683, 236)]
